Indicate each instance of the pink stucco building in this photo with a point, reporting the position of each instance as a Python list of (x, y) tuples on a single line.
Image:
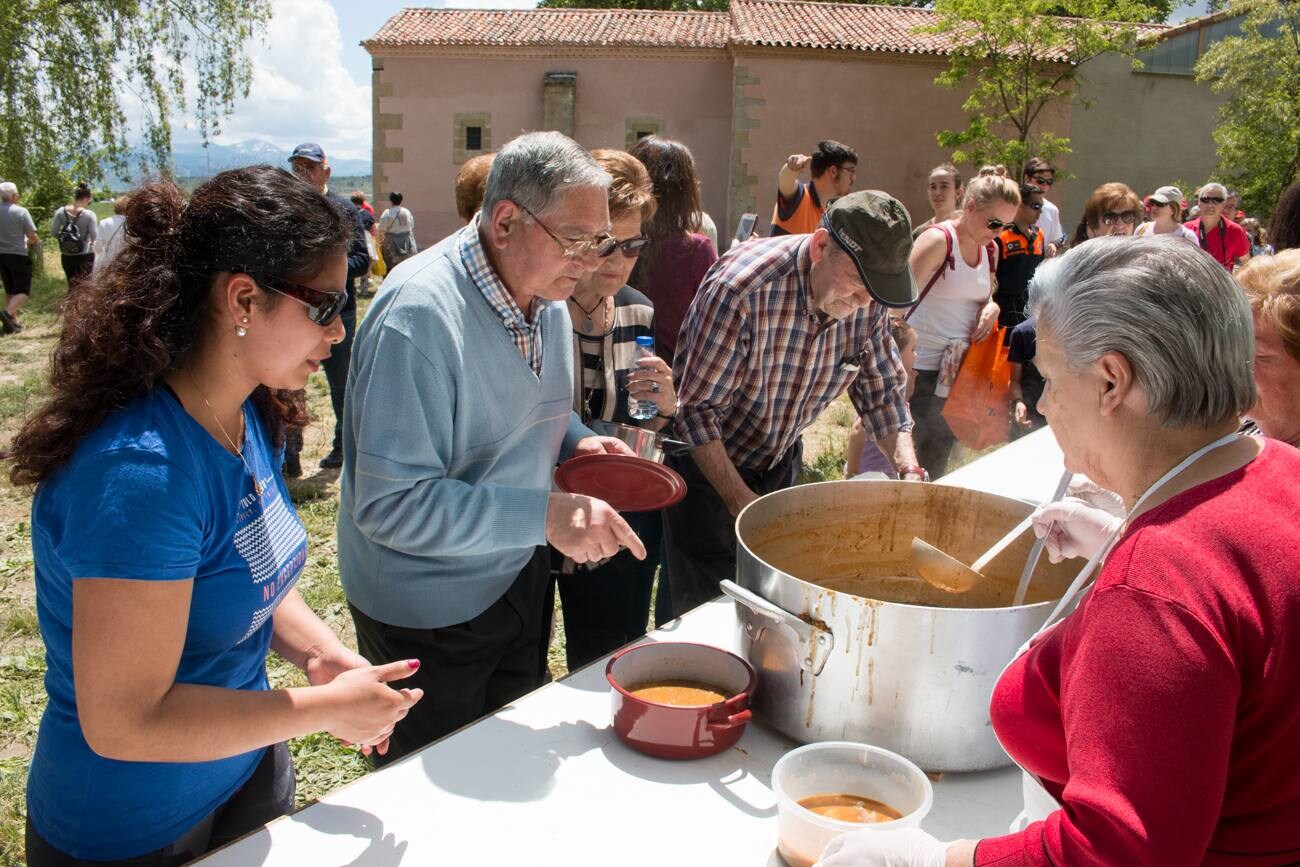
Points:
[(743, 89)]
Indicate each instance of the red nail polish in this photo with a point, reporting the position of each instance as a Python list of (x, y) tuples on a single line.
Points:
[(413, 664)]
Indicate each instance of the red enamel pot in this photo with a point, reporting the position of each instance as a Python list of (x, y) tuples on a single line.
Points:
[(676, 732)]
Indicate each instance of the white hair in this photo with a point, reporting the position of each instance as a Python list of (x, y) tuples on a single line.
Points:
[(8, 191), (1174, 312), (537, 168), (1213, 187)]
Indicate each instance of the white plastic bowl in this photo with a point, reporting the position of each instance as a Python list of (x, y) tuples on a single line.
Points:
[(835, 767)]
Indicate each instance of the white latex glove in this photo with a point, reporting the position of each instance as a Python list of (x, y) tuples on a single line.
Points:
[(1081, 529), (905, 847), (1095, 495)]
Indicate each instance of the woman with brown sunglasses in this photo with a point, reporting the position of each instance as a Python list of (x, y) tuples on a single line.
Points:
[(166, 547), (1112, 209), (607, 604)]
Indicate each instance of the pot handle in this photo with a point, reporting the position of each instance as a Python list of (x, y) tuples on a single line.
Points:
[(734, 721), (812, 645)]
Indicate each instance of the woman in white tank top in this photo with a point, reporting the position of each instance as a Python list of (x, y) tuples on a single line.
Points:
[(954, 260)]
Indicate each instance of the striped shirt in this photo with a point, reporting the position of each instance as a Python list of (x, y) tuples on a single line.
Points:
[(526, 334), (757, 363), (602, 361)]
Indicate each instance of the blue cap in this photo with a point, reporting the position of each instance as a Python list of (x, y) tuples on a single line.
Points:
[(645, 340), (308, 151)]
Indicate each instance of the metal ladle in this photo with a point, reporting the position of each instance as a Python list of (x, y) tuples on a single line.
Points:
[(951, 575)]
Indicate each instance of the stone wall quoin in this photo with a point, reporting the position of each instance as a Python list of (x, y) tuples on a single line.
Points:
[(381, 156), (742, 197)]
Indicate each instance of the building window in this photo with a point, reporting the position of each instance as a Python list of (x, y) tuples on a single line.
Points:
[(471, 135), (638, 128)]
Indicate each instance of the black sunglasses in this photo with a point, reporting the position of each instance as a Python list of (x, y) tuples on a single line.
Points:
[(1110, 218), (998, 225), (322, 307), (629, 247), (1037, 207), (1212, 200), (1043, 182)]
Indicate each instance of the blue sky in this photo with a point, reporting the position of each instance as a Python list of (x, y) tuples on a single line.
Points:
[(311, 78)]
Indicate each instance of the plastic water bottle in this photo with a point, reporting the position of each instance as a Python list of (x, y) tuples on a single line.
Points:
[(641, 410)]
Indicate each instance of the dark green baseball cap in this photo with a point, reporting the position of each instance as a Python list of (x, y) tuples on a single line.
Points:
[(876, 231)]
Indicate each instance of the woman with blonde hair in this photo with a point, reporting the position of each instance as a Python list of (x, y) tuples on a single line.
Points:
[(1272, 285), (954, 261), (607, 604), (1112, 209), (1166, 208)]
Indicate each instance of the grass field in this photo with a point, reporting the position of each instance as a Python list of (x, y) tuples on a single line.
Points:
[(322, 763)]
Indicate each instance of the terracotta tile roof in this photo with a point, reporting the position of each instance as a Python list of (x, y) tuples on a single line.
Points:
[(632, 28), (843, 26), (756, 23)]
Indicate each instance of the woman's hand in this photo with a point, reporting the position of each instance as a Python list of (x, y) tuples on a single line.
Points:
[(904, 847), (1074, 528), (987, 319), (321, 668), (652, 379), (366, 708)]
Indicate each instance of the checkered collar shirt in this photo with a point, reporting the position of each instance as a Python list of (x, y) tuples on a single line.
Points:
[(527, 335), (756, 363)]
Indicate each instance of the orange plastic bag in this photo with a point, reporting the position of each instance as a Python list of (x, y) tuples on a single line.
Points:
[(979, 404)]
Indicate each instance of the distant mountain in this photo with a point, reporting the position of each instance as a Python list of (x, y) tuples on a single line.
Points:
[(196, 161)]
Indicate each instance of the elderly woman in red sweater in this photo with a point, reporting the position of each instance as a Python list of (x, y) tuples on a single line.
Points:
[(1157, 723)]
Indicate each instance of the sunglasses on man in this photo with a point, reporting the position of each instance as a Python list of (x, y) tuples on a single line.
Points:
[(1036, 207), (1110, 218), (322, 307), (1211, 200), (1043, 181)]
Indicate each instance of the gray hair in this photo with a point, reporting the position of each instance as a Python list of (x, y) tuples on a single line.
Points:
[(1174, 312), (1213, 187), (8, 191), (537, 168)]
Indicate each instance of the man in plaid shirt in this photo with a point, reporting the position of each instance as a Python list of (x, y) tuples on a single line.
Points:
[(780, 328)]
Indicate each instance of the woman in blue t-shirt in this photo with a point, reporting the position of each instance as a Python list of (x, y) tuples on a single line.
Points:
[(165, 543)]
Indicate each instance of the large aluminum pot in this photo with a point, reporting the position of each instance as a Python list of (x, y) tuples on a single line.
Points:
[(839, 656)]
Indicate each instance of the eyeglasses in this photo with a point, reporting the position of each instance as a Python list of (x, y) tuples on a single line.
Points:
[(853, 170), (1043, 181), (1211, 200), (602, 245), (322, 307), (1110, 218), (1037, 207), (629, 247), (998, 225)]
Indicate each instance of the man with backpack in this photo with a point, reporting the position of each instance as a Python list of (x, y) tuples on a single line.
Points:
[(75, 228)]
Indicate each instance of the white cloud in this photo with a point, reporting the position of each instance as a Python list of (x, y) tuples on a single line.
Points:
[(301, 90)]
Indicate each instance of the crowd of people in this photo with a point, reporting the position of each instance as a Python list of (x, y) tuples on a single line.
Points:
[(166, 546)]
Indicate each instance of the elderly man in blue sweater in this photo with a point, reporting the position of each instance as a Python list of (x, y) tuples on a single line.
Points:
[(459, 406)]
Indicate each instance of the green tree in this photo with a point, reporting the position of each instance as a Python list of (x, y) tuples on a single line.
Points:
[(68, 65), (1258, 129), (1021, 57)]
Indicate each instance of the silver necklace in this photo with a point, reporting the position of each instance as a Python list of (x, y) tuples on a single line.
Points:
[(243, 431), (588, 325)]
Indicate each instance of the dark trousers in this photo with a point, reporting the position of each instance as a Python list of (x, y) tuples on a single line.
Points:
[(608, 606), (16, 274), (336, 371), (931, 435), (470, 669), (268, 794), (699, 532), (77, 268)]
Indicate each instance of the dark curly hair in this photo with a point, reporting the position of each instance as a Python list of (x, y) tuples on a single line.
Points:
[(136, 321), (1284, 228)]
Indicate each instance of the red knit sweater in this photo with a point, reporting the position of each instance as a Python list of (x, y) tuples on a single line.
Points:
[(1164, 713)]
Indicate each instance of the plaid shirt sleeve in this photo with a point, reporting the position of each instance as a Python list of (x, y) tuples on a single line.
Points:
[(711, 356), (879, 392)]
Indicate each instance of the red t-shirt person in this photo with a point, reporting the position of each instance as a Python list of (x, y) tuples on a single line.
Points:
[(1227, 242), (1163, 713)]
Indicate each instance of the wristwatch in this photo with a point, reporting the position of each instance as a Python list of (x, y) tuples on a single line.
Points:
[(913, 470)]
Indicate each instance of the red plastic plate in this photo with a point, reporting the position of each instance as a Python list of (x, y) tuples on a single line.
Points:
[(629, 484)]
